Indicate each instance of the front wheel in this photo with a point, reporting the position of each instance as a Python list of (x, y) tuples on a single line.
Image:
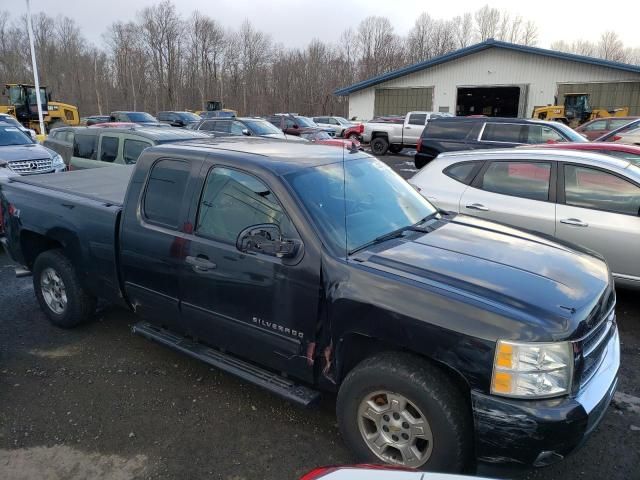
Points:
[(395, 149), (398, 409), (379, 146), (59, 292)]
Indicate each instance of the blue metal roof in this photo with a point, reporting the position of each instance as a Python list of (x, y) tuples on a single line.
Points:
[(478, 47)]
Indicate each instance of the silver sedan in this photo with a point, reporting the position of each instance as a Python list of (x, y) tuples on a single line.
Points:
[(583, 198)]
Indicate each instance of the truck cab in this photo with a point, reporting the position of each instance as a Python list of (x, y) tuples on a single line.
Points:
[(393, 136)]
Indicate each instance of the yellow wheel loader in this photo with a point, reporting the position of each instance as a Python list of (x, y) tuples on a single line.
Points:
[(576, 111), (22, 103)]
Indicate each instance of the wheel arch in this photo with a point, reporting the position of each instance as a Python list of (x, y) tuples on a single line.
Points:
[(355, 347), (33, 244)]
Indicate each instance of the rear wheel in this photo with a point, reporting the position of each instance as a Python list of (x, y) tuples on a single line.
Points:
[(398, 409), (379, 146), (59, 292)]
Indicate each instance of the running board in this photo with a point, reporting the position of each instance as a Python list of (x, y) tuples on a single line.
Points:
[(277, 384)]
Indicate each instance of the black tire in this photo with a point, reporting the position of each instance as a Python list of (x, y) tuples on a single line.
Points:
[(80, 305), (354, 136), (419, 162), (395, 149), (425, 386), (379, 146)]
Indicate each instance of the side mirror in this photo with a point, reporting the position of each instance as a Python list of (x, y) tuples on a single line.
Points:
[(32, 134), (245, 131), (3, 163), (296, 126), (266, 238), (178, 123)]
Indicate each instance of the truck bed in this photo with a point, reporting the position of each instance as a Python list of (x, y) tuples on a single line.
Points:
[(108, 185)]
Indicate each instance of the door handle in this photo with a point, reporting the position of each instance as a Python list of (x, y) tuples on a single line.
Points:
[(576, 222), (478, 206), (200, 263), (407, 128)]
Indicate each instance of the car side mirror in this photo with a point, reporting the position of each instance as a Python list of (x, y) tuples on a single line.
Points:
[(266, 238), (3, 163), (178, 123), (245, 131), (296, 126)]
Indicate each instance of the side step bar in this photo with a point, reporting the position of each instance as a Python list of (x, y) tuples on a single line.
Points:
[(277, 384)]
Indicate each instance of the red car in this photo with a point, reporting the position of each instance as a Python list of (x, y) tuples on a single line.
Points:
[(620, 150), (598, 127), (323, 138), (354, 132)]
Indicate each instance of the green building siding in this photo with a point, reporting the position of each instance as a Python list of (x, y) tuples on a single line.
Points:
[(608, 95), (399, 101)]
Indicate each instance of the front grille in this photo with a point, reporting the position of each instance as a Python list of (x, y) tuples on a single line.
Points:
[(30, 167), (594, 345)]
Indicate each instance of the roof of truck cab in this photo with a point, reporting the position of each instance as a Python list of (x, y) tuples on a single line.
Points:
[(278, 156)]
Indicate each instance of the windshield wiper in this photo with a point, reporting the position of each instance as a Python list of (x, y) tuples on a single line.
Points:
[(416, 227)]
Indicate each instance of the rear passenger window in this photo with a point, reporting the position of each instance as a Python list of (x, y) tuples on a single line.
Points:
[(591, 188), (518, 179), (165, 191), (132, 150), (504, 132), (448, 130), (417, 119), (109, 149), (463, 172), (542, 134), (85, 146)]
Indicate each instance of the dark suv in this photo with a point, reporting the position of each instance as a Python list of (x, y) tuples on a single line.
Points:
[(470, 133), (294, 124), (178, 119)]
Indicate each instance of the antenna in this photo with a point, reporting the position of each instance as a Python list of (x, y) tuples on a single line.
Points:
[(344, 198)]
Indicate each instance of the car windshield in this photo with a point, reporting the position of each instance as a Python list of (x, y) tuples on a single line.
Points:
[(141, 117), (342, 121), (189, 117), (262, 127), (10, 135), (607, 137), (9, 120), (305, 122), (316, 136), (569, 132), (373, 201)]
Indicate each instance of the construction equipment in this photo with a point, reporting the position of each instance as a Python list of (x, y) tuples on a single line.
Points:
[(217, 107), (576, 111), (22, 104)]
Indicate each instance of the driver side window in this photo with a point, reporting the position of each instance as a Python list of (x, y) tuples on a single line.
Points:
[(232, 201)]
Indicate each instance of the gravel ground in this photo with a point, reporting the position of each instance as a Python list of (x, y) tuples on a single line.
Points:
[(99, 402)]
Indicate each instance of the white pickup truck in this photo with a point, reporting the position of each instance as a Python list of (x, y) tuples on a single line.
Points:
[(392, 136)]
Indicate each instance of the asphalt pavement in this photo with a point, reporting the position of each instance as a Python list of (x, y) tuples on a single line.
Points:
[(98, 402)]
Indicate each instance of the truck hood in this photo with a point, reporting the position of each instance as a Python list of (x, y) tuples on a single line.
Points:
[(522, 273), (31, 151)]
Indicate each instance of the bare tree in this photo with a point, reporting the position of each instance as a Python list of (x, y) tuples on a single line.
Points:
[(610, 47), (487, 22), (463, 30)]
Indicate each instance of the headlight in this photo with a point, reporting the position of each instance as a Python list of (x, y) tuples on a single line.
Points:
[(57, 162), (532, 370)]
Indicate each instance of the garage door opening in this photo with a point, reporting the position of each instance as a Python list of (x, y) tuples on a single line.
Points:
[(489, 101)]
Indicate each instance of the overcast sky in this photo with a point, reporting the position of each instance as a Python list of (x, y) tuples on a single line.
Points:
[(295, 22)]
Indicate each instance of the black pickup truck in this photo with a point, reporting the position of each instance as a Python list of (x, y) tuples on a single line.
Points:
[(307, 268)]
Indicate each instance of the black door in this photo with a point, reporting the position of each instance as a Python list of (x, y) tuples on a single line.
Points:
[(152, 242), (257, 306)]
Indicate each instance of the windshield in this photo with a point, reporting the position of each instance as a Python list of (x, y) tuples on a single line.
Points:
[(141, 117), (342, 121), (377, 201), (316, 136), (305, 122), (189, 117), (569, 132), (262, 127), (607, 137), (8, 119), (10, 135)]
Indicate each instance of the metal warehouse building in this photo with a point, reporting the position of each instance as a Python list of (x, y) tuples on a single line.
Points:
[(497, 79)]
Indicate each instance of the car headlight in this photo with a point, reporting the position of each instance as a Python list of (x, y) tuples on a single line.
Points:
[(57, 161), (532, 370)]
